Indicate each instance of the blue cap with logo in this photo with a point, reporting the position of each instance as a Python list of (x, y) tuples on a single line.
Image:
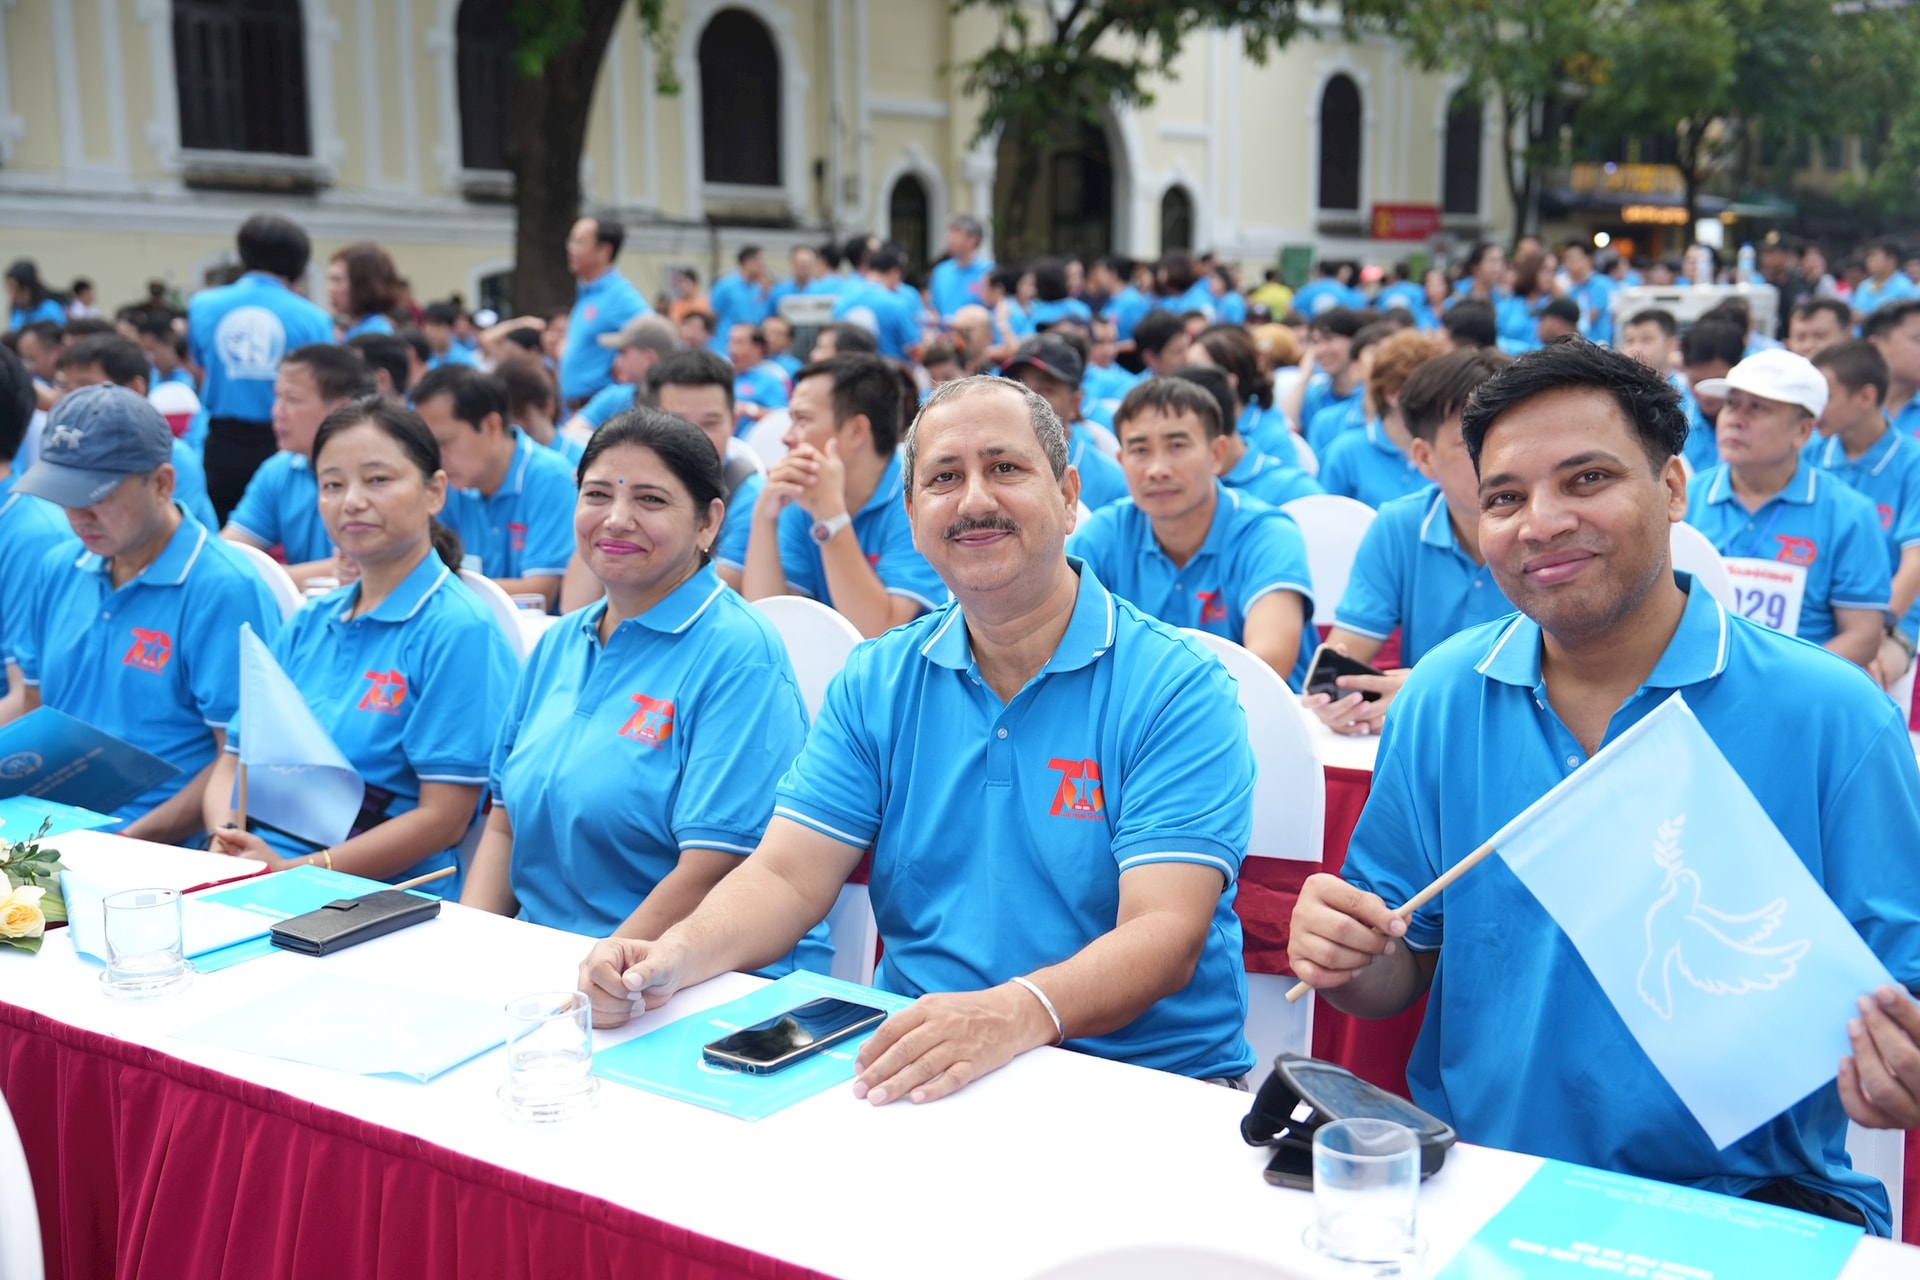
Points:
[(95, 438)]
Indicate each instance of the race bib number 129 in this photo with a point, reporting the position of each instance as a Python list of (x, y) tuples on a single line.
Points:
[(1768, 592)]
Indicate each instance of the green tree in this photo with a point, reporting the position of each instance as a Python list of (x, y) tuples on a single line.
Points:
[(1523, 55), (559, 46)]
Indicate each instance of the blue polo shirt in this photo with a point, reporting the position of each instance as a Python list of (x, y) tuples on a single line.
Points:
[(526, 528), (736, 528), (412, 692), (1702, 448), (1000, 831), (1230, 308), (1320, 396), (157, 661), (1521, 1049), (190, 483), (1369, 467), (281, 508), (896, 327), (239, 332), (1102, 390), (454, 354), (367, 324), (1101, 478), (1411, 575), (598, 308), (1264, 427), (29, 529), (47, 309), (954, 286), (885, 538), (1042, 313), (613, 759), (609, 401), (1196, 297), (766, 384), (1251, 550), (1887, 475), (1126, 310), (1869, 297), (1595, 296), (1330, 423), (1827, 529), (1263, 476), (1324, 293), (735, 301)]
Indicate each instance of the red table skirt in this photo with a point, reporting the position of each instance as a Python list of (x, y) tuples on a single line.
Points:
[(145, 1165), (1378, 1051)]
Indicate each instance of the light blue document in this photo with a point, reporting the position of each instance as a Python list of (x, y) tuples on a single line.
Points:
[(21, 816), (206, 928), (1729, 964), (668, 1061), (361, 1028), (50, 755), (1569, 1222)]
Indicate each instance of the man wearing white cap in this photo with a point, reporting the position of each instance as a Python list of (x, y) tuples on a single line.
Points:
[(1806, 553)]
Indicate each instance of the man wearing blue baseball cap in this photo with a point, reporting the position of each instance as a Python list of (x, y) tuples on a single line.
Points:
[(137, 634)]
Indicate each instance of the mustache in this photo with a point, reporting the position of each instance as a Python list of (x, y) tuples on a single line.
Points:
[(983, 524)]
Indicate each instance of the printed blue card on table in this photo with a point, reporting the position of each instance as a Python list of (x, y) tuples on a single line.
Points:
[(21, 816), (668, 1061), (50, 755), (1572, 1221)]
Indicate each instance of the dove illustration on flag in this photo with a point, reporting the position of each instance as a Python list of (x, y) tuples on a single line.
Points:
[(1731, 967), (297, 779)]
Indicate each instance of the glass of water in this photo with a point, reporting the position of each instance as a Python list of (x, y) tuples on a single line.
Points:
[(549, 1057), (1366, 1185), (145, 956)]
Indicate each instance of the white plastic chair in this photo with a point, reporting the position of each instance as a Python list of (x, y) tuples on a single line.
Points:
[(501, 606), (20, 1257), (767, 437), (285, 593), (739, 448), (818, 643), (1693, 554), (1289, 821), (1332, 526)]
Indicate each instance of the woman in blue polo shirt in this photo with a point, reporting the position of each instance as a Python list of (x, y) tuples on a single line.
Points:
[(639, 756), (363, 287), (405, 668)]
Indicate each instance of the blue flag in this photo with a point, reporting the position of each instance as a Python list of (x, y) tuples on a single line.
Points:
[(1730, 966), (297, 780)]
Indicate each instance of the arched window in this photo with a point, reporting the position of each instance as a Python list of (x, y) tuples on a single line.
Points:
[(485, 62), (241, 71), (1176, 219), (1340, 144), (740, 101), (1460, 189), (907, 219)]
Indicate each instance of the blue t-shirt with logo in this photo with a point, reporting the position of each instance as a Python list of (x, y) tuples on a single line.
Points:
[(885, 538), (954, 286), (599, 307), (239, 332), (525, 530)]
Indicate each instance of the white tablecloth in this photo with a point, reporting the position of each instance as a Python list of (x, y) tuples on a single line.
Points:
[(114, 862), (1056, 1158)]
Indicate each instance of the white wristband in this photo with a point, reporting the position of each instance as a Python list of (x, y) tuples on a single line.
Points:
[(1059, 1028)]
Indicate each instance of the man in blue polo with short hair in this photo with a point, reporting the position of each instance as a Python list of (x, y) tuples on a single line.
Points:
[(1520, 1049), (237, 334), (828, 523), (741, 296), (29, 527), (137, 634), (1187, 549), (603, 301), (510, 500), (1419, 570), (957, 278), (1089, 900), (1806, 553)]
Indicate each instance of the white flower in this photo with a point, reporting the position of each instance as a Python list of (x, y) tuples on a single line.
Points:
[(20, 914)]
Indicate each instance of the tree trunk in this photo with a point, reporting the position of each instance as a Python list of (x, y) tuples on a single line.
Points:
[(544, 143), (1518, 165)]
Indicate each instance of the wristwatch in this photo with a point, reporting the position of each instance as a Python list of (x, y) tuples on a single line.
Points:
[(823, 530)]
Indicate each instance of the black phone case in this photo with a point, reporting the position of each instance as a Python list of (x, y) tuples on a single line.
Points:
[(347, 922)]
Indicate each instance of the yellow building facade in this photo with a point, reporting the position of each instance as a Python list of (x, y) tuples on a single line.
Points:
[(135, 135)]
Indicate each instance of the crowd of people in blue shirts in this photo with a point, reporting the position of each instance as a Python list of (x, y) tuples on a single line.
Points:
[(1096, 454)]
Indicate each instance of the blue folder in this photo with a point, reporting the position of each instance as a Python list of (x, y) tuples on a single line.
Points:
[(50, 755)]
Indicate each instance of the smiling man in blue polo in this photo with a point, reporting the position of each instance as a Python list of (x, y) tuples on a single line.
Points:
[(137, 634), (1056, 788), (1580, 484)]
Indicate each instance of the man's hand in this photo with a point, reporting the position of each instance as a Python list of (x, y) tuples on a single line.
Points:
[(826, 497), (786, 480), (1354, 714), (1880, 1083), (941, 1043), (1338, 931), (620, 972)]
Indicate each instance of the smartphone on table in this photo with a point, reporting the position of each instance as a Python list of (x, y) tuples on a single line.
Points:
[(1328, 665), (792, 1036)]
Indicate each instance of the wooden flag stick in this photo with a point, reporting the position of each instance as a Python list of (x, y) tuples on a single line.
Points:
[(1421, 898), (429, 878), (240, 807)]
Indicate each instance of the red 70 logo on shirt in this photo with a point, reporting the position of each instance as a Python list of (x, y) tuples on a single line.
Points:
[(652, 723), (150, 650), (1796, 550), (1079, 794), (386, 690)]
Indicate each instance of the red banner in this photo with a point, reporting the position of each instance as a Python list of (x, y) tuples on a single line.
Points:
[(1405, 221)]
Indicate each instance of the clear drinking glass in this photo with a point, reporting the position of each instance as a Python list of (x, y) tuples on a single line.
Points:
[(144, 952), (549, 1057), (1366, 1186)]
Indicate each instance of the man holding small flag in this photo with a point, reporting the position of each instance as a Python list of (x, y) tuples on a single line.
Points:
[(1678, 921)]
